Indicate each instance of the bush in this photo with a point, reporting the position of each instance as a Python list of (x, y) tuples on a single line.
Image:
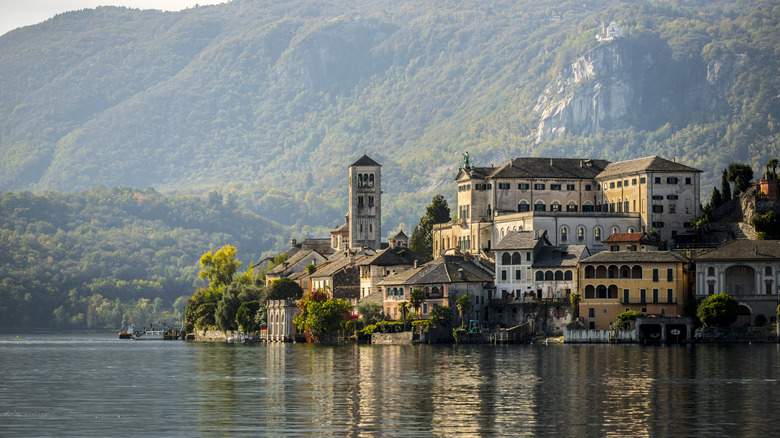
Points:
[(719, 310), (760, 320)]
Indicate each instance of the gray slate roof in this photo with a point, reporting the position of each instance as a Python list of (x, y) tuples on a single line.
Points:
[(646, 164), (394, 257), (744, 250), (365, 161), (636, 257), (519, 240), (560, 256), (295, 258), (445, 269)]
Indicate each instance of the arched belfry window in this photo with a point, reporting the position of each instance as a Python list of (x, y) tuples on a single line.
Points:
[(360, 180), (371, 180)]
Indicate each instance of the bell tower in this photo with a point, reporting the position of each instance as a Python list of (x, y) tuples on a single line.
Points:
[(365, 204)]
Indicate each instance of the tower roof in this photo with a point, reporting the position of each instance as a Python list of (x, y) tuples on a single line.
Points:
[(365, 161)]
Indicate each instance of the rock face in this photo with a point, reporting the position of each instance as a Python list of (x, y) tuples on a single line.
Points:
[(627, 82)]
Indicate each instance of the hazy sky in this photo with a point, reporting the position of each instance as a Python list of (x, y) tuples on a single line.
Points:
[(20, 13)]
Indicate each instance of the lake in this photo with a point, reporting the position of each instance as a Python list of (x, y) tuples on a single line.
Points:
[(97, 385)]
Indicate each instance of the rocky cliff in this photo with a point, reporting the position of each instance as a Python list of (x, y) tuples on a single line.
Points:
[(632, 83)]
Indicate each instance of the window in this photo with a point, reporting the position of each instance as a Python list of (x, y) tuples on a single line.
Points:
[(538, 186), (523, 186), (657, 180), (587, 187), (605, 186), (633, 181), (658, 224), (559, 275), (671, 197), (614, 248), (655, 296), (642, 180), (642, 296), (539, 276), (655, 274), (518, 274), (580, 233), (591, 313), (503, 186), (672, 208), (571, 207), (540, 207), (669, 295), (516, 258), (612, 185), (528, 256), (523, 207), (503, 274), (672, 180), (567, 276), (425, 308), (625, 206), (360, 201), (555, 207), (588, 208), (669, 274), (564, 234), (506, 259), (597, 234), (548, 276), (570, 187), (711, 271), (687, 180), (658, 197), (768, 270), (625, 295), (620, 183), (658, 208), (615, 230), (555, 186)]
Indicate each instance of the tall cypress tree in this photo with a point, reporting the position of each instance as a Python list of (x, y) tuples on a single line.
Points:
[(725, 188)]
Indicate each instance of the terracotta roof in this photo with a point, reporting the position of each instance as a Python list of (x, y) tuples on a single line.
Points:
[(646, 164), (744, 250), (630, 237), (636, 257), (365, 161), (560, 256)]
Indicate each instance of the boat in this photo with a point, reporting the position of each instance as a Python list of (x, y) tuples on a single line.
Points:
[(127, 334), (150, 335)]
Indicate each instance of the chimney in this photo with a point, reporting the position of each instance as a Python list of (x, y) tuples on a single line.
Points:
[(551, 162), (415, 264), (293, 242), (461, 274)]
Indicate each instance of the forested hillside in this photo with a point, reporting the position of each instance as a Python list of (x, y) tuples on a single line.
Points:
[(271, 100), (89, 259)]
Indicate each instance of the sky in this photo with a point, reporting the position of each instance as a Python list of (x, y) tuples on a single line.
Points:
[(20, 13)]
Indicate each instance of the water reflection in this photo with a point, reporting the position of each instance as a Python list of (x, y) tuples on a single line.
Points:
[(66, 388)]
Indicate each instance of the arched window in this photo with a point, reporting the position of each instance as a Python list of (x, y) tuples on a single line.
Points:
[(711, 271), (548, 276), (506, 259), (768, 270), (597, 234), (590, 272), (539, 206), (612, 292), (435, 290), (625, 272), (636, 271), (615, 230), (523, 206), (555, 206), (580, 233), (401, 291), (559, 275), (590, 291), (567, 275), (564, 234), (631, 230), (612, 272), (371, 180), (601, 291), (539, 276), (601, 272), (360, 180), (515, 258)]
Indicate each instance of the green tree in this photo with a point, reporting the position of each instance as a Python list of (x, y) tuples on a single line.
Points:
[(741, 175), (771, 168), (227, 307), (725, 187), (200, 309), (463, 303), (719, 310), (441, 315), (284, 289), (245, 316), (417, 241), (403, 307), (219, 268), (321, 318), (623, 318), (416, 299), (437, 212), (576, 299), (370, 312), (717, 199)]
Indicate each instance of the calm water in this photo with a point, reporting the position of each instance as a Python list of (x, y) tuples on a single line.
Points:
[(96, 385)]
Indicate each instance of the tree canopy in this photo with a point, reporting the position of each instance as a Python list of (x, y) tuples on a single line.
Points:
[(719, 310)]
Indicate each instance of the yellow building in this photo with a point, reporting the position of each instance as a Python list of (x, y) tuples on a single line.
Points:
[(653, 283)]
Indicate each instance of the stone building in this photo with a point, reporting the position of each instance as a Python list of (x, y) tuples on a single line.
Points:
[(748, 271), (576, 201), (365, 204), (280, 320)]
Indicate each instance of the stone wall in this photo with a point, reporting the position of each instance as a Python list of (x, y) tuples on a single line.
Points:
[(543, 318), (214, 335), (404, 338), (736, 334), (583, 336)]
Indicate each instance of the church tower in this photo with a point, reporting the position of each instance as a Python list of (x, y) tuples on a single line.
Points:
[(365, 204)]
